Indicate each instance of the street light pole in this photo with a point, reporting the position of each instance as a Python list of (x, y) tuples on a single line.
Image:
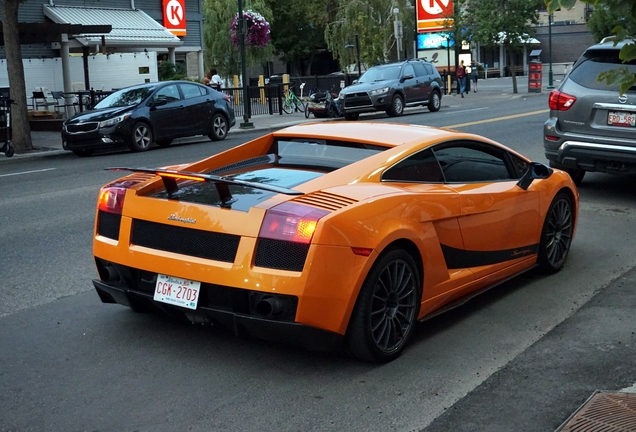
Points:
[(397, 28), (550, 81), (246, 124)]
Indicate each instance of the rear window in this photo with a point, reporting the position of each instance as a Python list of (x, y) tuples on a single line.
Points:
[(593, 62), (318, 153)]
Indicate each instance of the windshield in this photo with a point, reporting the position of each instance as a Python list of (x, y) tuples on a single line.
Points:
[(125, 97), (381, 73), (596, 61)]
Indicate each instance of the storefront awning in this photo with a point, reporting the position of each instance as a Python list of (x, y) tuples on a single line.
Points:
[(130, 28)]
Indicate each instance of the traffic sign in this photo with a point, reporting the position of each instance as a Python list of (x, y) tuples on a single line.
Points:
[(431, 14), (174, 17)]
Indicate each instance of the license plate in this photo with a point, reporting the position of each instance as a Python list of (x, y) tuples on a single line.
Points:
[(618, 118), (177, 291)]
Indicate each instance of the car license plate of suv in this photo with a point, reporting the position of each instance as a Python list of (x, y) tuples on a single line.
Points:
[(177, 291), (619, 118)]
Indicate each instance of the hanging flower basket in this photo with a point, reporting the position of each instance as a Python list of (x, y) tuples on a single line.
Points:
[(257, 34)]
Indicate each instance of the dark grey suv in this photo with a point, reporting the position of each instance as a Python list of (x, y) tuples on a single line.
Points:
[(391, 87), (592, 127)]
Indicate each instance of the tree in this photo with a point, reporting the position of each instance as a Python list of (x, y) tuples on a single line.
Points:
[(499, 22), (621, 76), (298, 30), (603, 21), (220, 52), (21, 130), (372, 20)]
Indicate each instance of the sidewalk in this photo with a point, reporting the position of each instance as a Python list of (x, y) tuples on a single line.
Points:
[(50, 143)]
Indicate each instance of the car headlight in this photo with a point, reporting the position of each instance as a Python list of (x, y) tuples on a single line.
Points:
[(379, 91), (340, 95), (114, 120)]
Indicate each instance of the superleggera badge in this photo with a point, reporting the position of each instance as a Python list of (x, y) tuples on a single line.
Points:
[(174, 217)]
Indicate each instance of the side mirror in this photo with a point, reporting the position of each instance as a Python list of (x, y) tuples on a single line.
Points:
[(355, 82), (406, 77), (535, 171)]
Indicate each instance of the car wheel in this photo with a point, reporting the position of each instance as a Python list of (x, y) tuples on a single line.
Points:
[(219, 127), (397, 106), (556, 236), (577, 174), (386, 310), (435, 103), (83, 152), (351, 116), (141, 137), (164, 142)]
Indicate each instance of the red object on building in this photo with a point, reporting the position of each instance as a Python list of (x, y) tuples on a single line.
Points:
[(174, 17)]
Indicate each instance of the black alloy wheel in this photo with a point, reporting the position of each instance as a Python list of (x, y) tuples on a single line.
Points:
[(386, 310), (397, 106), (556, 236), (219, 127), (141, 138), (435, 103)]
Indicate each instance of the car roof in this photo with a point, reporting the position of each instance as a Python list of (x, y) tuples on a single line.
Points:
[(375, 133)]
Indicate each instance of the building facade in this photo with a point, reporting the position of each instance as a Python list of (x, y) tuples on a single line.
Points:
[(139, 38)]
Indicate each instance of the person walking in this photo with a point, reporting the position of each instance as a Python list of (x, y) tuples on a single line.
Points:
[(474, 73), (461, 78)]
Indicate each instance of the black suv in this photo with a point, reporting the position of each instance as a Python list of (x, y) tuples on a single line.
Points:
[(391, 87), (592, 127)]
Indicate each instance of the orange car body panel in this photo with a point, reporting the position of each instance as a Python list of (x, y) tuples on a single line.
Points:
[(369, 214)]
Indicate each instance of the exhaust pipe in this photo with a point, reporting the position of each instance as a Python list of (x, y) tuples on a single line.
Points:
[(270, 306)]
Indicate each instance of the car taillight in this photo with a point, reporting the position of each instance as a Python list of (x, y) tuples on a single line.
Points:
[(291, 222), (560, 101), (111, 199)]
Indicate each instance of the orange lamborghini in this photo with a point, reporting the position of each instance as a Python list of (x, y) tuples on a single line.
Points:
[(331, 234)]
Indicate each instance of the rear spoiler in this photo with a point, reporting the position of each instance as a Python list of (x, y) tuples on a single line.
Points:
[(170, 177)]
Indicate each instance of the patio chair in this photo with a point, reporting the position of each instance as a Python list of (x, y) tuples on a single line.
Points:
[(60, 102), (39, 99)]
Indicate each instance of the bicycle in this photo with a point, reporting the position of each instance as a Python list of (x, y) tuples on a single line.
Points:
[(291, 102)]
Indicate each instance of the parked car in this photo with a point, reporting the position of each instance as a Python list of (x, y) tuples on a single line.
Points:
[(331, 233), (392, 87), (157, 112), (592, 127)]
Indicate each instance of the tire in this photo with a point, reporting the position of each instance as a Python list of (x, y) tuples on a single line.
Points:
[(10, 151), (219, 127), (351, 116), (300, 105), (577, 174), (556, 236), (435, 103), (288, 106), (380, 326), (141, 137), (307, 111), (397, 106), (83, 152), (164, 142)]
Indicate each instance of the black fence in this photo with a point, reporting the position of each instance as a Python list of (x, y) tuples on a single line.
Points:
[(268, 99)]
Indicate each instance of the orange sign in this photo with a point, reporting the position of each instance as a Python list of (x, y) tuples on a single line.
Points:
[(431, 14), (174, 17)]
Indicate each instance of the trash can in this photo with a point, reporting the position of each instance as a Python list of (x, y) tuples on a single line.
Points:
[(535, 76)]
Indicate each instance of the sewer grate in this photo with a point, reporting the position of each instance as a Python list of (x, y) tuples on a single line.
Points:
[(604, 412)]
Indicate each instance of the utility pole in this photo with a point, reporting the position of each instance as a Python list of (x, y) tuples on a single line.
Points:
[(397, 28)]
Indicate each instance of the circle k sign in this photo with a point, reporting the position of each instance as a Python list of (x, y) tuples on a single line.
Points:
[(174, 16)]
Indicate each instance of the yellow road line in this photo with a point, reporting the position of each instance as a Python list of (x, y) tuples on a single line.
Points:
[(459, 125)]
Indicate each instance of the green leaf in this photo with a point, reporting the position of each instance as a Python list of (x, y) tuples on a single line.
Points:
[(628, 52)]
